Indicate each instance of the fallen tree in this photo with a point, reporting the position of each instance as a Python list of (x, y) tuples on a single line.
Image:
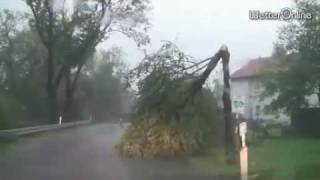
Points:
[(170, 88)]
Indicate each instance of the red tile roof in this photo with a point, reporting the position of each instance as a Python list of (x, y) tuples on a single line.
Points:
[(254, 68)]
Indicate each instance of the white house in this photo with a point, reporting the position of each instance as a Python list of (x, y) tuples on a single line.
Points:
[(245, 83)]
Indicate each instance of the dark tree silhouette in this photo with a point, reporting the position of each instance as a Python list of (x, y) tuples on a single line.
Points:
[(71, 36)]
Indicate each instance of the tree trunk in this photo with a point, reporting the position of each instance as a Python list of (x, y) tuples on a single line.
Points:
[(50, 43), (52, 99), (68, 97), (198, 83), (230, 139), (52, 105), (318, 95), (51, 89), (71, 85), (230, 124)]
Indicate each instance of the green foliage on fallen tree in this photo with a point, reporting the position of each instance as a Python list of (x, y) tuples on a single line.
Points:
[(155, 139), (166, 120), (188, 131)]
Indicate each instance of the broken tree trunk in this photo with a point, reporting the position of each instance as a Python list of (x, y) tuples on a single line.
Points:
[(198, 83), (230, 125)]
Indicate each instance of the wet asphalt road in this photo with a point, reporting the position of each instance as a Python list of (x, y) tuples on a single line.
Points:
[(85, 153)]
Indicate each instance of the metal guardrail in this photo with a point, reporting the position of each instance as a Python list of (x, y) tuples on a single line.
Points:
[(12, 133)]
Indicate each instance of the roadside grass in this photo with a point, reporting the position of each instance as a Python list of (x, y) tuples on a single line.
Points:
[(276, 159), (7, 144), (213, 163)]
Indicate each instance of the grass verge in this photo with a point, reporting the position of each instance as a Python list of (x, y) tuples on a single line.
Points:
[(6, 144), (276, 159)]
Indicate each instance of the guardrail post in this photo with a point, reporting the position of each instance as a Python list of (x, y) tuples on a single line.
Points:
[(60, 120)]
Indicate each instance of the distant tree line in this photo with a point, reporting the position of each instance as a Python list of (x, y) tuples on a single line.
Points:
[(49, 63)]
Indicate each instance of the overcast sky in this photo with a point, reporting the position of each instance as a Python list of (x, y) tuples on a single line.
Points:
[(200, 27)]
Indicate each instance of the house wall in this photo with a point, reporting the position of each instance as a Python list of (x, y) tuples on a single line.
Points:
[(258, 105), (240, 88), (250, 89)]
